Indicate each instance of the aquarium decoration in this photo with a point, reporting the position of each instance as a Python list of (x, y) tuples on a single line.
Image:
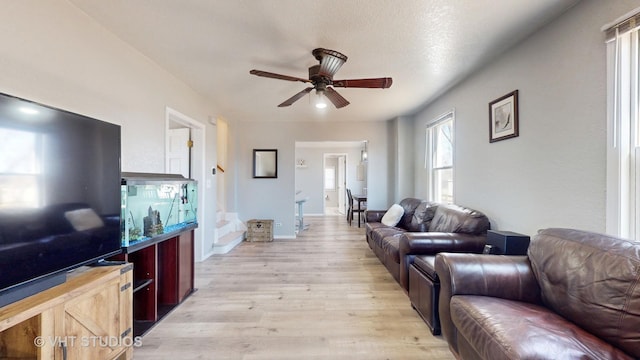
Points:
[(152, 223)]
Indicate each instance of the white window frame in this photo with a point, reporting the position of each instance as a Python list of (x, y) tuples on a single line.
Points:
[(623, 133), (431, 153), (330, 178)]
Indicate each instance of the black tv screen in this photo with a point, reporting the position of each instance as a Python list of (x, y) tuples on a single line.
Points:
[(59, 192)]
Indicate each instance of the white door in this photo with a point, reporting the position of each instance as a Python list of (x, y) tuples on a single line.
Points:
[(342, 184), (178, 159)]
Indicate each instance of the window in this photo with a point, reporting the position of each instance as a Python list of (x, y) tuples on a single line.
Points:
[(330, 178), (623, 129), (439, 158)]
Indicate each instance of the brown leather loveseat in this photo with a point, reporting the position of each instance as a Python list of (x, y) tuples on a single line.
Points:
[(426, 228), (576, 295)]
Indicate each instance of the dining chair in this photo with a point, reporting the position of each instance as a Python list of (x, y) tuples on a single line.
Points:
[(354, 207), (349, 207), (357, 208)]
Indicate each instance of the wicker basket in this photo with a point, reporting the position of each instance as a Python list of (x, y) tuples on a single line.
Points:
[(259, 230)]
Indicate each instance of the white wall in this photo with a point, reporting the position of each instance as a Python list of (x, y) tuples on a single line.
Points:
[(402, 153), (52, 53), (309, 180), (275, 198), (553, 174)]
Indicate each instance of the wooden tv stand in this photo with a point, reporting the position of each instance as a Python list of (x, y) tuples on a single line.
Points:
[(87, 317)]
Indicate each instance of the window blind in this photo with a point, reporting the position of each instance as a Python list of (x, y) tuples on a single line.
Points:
[(624, 24)]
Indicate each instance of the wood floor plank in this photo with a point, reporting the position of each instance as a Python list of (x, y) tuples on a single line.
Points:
[(323, 295)]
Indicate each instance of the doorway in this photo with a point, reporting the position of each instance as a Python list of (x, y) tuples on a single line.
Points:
[(184, 154), (335, 183), (310, 175)]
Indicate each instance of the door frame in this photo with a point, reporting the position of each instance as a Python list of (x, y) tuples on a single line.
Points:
[(342, 178), (342, 188), (175, 119)]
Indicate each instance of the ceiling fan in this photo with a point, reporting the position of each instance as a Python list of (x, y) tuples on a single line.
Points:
[(321, 76)]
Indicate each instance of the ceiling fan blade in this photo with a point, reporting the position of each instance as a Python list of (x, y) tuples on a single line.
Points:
[(337, 99), (277, 76), (330, 61), (381, 83), (296, 97)]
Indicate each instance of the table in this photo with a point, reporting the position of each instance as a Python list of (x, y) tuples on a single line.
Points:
[(301, 225), (506, 243), (360, 199)]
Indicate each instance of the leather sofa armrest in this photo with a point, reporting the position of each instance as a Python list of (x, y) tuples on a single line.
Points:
[(372, 216), (431, 243), (507, 277)]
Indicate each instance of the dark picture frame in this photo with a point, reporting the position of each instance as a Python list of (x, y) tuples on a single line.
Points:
[(503, 117), (265, 163)]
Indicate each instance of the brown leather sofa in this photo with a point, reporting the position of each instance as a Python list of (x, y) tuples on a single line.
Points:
[(576, 295), (426, 228)]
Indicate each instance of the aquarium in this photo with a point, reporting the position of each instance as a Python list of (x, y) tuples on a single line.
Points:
[(156, 204)]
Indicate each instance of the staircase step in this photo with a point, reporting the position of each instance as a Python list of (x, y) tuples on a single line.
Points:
[(222, 223), (220, 215), (225, 227), (227, 242)]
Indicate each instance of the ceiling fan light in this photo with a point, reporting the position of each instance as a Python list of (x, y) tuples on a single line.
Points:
[(320, 101)]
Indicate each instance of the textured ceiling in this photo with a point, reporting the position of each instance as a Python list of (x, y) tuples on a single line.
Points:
[(426, 46)]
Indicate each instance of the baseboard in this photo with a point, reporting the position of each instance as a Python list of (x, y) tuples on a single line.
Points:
[(206, 256)]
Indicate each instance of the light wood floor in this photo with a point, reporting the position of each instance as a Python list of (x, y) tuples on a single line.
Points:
[(323, 295)]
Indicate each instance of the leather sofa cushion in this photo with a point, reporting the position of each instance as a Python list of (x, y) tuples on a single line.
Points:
[(409, 205), (504, 329), (370, 227), (390, 246), (458, 219), (422, 216), (592, 280), (378, 235)]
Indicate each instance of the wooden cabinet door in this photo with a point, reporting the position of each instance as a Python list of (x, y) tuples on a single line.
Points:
[(97, 324), (185, 263), (126, 305)]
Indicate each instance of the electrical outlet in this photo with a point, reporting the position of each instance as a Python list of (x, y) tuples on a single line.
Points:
[(278, 224)]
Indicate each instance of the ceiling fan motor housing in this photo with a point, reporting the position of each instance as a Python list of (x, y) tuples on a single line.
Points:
[(317, 78)]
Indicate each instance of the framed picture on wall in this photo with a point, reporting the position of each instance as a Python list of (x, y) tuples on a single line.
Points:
[(265, 163), (503, 117)]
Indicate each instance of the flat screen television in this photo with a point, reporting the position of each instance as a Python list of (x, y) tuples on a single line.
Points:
[(59, 195)]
